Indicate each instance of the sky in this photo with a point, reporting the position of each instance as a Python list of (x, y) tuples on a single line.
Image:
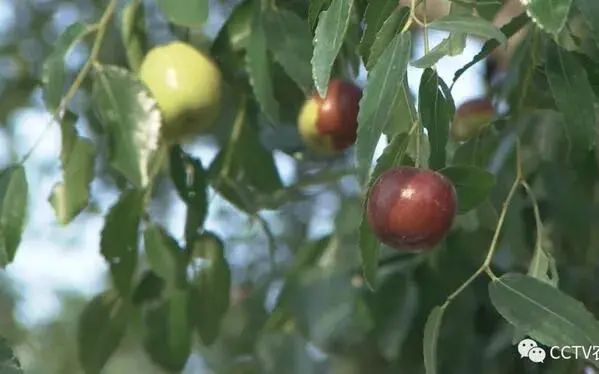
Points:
[(52, 258)]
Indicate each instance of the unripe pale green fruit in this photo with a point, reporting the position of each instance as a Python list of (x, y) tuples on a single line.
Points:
[(330, 125), (471, 117), (187, 86)]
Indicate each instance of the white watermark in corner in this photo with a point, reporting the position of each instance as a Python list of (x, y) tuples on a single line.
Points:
[(528, 348)]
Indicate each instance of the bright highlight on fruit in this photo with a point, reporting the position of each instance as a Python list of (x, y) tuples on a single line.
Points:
[(330, 125), (471, 117), (411, 209), (187, 85)]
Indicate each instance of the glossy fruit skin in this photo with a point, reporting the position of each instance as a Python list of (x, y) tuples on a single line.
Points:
[(330, 125), (471, 117), (411, 209), (187, 86)]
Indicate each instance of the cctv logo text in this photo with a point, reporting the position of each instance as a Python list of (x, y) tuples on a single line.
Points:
[(570, 352)]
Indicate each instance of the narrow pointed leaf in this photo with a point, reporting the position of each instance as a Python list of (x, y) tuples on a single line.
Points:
[(53, 70), (133, 31), (573, 96), (432, 329), (77, 155), (468, 24), (391, 27), (258, 65), (545, 313), (13, 211), (290, 42), (436, 108), (379, 99), (375, 15), (328, 39)]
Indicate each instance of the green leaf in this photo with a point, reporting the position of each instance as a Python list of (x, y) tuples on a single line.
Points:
[(290, 42), (131, 116), (259, 69), (472, 185), (102, 325), (284, 353), (53, 70), (314, 9), (191, 183), (404, 114), (168, 332), (328, 39), (573, 97), (9, 363), (379, 99), (164, 256), (477, 151), (549, 15), (453, 45), (509, 30), (395, 306), (133, 32), (436, 108), (391, 27), (77, 155), (543, 266), (13, 211), (393, 155), (186, 13), (488, 9), (210, 286), (589, 10), (375, 16), (245, 169), (543, 312), (432, 330), (468, 24), (119, 239), (326, 306)]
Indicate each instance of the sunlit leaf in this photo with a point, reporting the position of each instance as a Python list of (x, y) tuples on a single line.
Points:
[(77, 155), (132, 119)]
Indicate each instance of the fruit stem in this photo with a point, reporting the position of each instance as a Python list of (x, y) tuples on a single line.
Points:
[(485, 267), (100, 29)]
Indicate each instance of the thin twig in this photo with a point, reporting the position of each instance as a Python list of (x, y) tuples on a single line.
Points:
[(100, 29)]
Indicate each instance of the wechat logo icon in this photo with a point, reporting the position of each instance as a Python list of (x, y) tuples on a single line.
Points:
[(530, 349)]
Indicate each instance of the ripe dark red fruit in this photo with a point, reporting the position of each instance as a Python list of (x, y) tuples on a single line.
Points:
[(410, 208), (329, 125)]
